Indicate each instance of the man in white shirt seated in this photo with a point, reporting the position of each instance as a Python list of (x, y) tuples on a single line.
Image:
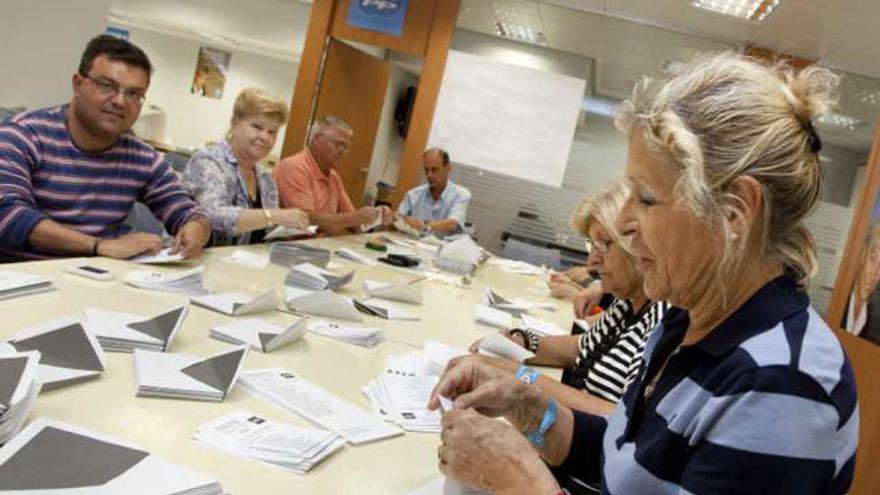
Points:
[(440, 205)]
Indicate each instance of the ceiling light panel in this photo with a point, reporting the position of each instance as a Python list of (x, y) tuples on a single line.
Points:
[(755, 10), (519, 24)]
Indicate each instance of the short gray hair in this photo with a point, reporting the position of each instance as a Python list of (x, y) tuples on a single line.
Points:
[(327, 122)]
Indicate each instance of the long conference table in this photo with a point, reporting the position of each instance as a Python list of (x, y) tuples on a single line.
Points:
[(165, 426)]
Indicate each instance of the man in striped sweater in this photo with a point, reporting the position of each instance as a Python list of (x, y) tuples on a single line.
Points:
[(69, 175)]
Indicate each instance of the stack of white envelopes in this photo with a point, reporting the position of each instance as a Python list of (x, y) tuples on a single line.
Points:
[(53, 457), (362, 336), (383, 309), (19, 389), (516, 307), (322, 303), (294, 253), (68, 352), (290, 447), (190, 282), (123, 332), (178, 376), (309, 276), (401, 292), (258, 334), (15, 284), (403, 400), (237, 304)]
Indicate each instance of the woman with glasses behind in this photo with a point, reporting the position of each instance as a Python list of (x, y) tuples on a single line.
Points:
[(238, 194)]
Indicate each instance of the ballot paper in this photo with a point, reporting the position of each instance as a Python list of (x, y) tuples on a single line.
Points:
[(299, 396), (494, 317), (322, 303), (190, 282), (402, 292), (68, 352), (309, 276), (15, 284), (445, 486), (384, 309), (53, 457), (362, 336), (496, 345), (178, 376), (403, 400), (282, 232), (124, 332), (542, 327), (283, 445), (352, 255), (294, 253), (258, 334), (163, 257), (517, 267), (436, 355), (516, 307), (238, 304), (460, 256), (247, 259), (19, 388), (376, 222)]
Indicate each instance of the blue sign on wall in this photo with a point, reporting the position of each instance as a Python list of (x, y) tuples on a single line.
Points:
[(385, 16)]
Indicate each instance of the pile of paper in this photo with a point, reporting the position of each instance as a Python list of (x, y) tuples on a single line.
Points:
[(178, 376), (258, 334), (299, 396), (53, 457), (362, 336), (460, 256), (282, 232), (496, 345), (496, 301), (188, 282), (237, 304), (352, 255), (517, 267), (403, 400), (19, 388), (245, 434), (322, 303), (383, 309), (68, 352), (163, 257), (123, 332), (14, 284), (493, 317), (542, 327), (401, 292), (308, 276), (294, 253)]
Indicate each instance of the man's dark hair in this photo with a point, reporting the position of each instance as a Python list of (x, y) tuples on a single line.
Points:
[(444, 156), (117, 50)]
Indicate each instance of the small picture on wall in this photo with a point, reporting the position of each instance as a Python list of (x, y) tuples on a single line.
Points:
[(212, 67), (861, 313)]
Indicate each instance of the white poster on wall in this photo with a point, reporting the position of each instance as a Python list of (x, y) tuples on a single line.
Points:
[(507, 119)]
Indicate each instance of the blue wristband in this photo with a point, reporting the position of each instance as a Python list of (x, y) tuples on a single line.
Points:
[(537, 436), (527, 374)]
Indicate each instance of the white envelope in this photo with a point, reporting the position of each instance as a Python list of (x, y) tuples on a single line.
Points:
[(542, 327), (352, 255), (163, 257), (260, 335), (282, 232), (494, 317), (237, 304), (322, 303), (384, 309), (404, 292), (499, 346)]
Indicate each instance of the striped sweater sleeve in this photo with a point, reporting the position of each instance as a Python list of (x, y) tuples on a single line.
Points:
[(167, 199), (18, 212)]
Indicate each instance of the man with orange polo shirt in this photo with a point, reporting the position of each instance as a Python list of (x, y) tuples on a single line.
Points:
[(309, 180)]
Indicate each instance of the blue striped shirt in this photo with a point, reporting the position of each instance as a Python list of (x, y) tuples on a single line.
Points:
[(766, 403), (43, 174)]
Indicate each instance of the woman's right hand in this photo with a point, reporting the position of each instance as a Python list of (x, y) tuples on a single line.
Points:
[(291, 217)]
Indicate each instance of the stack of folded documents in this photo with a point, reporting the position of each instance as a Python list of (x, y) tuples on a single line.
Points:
[(258, 334), (494, 317), (496, 345), (290, 447), (299, 396), (178, 376), (352, 255), (237, 304), (403, 400), (68, 352), (541, 327), (294, 253), (282, 232), (163, 257), (362, 336), (494, 300), (190, 282), (14, 284), (308, 276), (460, 256), (53, 457), (383, 309), (123, 332), (401, 292), (322, 303), (19, 388)]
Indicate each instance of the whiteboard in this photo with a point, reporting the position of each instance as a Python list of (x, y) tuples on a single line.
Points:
[(505, 118)]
